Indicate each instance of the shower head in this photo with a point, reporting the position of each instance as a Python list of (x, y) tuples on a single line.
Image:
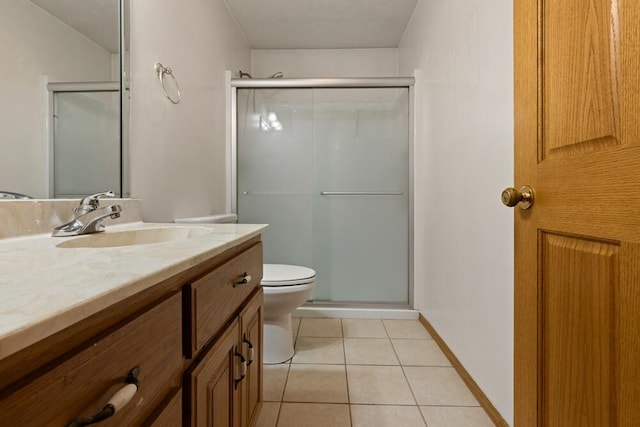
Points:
[(277, 75), (243, 75)]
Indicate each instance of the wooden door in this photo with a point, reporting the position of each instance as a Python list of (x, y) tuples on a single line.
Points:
[(251, 323), (214, 393), (577, 274)]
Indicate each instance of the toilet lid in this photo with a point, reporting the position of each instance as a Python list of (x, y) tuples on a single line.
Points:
[(286, 275)]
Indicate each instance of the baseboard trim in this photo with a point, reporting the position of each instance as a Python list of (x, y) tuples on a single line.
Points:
[(484, 401)]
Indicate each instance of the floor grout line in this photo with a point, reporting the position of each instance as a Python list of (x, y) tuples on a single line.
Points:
[(407, 380), (346, 376)]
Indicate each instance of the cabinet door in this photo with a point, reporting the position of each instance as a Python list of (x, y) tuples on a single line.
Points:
[(251, 322), (214, 390)]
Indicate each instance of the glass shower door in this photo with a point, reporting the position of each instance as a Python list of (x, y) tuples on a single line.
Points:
[(275, 170), (328, 169), (86, 143), (361, 194)]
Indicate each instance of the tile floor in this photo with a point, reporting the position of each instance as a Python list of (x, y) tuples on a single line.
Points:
[(366, 373)]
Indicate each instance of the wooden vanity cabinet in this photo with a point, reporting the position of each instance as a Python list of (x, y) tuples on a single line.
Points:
[(192, 335), (224, 383)]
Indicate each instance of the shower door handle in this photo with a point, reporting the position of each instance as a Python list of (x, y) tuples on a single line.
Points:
[(361, 193)]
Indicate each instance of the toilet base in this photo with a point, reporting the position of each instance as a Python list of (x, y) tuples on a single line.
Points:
[(278, 340)]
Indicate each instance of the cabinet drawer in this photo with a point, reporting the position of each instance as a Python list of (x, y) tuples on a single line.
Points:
[(170, 415), (83, 384), (214, 298)]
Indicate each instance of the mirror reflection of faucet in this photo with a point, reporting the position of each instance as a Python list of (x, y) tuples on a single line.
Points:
[(89, 216), (13, 195)]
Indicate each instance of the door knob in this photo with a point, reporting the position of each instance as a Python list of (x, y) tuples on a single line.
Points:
[(523, 198)]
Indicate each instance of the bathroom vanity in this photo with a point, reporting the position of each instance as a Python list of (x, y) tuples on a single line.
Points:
[(182, 318)]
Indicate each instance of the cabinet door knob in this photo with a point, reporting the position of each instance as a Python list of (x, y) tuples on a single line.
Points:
[(117, 402), (246, 278), (242, 368), (250, 352)]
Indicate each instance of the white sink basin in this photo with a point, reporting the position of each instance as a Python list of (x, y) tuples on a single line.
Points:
[(144, 236)]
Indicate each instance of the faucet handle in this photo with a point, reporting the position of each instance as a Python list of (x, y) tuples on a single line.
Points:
[(91, 202)]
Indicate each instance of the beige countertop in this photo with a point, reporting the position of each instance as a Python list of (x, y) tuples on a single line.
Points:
[(45, 288)]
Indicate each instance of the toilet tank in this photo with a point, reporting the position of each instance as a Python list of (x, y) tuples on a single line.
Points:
[(209, 219)]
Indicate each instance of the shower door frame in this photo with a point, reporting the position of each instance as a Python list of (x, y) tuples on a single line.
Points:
[(233, 84)]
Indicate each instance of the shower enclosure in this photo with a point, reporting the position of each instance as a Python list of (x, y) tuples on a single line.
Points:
[(328, 167)]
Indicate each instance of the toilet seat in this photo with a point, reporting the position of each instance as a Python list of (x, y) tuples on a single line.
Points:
[(275, 275)]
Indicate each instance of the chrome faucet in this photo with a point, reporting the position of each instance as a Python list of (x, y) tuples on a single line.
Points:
[(88, 217)]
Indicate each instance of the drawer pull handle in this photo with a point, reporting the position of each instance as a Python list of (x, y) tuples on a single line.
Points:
[(250, 356), (246, 278), (116, 403), (242, 369)]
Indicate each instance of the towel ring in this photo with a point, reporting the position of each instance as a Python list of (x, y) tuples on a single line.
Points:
[(162, 71)]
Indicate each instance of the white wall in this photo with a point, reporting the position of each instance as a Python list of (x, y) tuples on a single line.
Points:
[(35, 47), (178, 151), (462, 50), (325, 62)]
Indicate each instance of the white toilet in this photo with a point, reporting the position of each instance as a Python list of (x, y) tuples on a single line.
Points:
[(286, 287)]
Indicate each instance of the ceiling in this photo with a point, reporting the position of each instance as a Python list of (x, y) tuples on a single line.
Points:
[(96, 19), (267, 24), (322, 24)]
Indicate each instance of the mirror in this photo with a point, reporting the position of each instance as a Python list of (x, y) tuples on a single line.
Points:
[(61, 120)]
